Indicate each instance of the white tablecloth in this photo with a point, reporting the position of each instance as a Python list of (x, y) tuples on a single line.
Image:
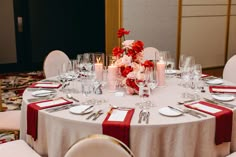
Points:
[(183, 136)]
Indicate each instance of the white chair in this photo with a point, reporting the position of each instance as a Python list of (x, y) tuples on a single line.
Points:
[(150, 53), (99, 145), (232, 155), (53, 62), (229, 70), (18, 148)]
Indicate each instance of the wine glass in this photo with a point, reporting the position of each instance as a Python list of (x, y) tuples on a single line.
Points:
[(197, 85), (144, 89)]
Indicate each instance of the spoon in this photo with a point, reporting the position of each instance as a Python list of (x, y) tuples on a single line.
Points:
[(71, 97)]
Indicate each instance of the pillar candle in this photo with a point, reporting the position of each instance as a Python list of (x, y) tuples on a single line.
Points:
[(99, 71), (112, 76), (161, 72)]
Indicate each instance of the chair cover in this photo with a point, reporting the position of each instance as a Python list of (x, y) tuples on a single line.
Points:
[(229, 70), (99, 145), (53, 62), (150, 53), (10, 120), (18, 148), (232, 155)]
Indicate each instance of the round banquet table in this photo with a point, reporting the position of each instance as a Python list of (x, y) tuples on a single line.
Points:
[(182, 136)]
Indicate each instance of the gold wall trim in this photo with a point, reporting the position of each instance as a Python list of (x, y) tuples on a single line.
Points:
[(227, 31), (179, 30), (204, 4), (113, 18), (205, 16)]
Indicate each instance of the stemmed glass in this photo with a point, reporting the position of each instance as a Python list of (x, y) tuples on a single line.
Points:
[(197, 73), (144, 91), (181, 67), (88, 65)]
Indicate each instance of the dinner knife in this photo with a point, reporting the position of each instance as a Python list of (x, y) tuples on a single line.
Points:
[(176, 109), (148, 115), (87, 109), (140, 116)]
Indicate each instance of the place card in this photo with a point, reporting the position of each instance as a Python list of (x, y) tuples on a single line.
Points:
[(205, 108), (51, 103), (117, 115)]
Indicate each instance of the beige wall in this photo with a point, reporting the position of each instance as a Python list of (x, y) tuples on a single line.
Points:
[(152, 21), (7, 33)]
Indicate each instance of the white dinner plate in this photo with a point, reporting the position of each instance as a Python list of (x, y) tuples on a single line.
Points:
[(169, 112), (43, 93), (171, 72), (215, 81), (223, 97), (81, 109)]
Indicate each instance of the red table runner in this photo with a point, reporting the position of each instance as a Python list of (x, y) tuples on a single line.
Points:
[(118, 129), (224, 121), (32, 114)]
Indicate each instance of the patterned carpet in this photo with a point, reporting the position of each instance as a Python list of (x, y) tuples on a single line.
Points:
[(13, 86)]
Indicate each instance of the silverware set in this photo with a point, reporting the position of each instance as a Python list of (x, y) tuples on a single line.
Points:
[(60, 108), (188, 111), (95, 115), (144, 116)]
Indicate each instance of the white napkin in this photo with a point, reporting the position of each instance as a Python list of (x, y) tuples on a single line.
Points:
[(47, 85), (50, 103), (117, 115), (206, 108), (223, 90)]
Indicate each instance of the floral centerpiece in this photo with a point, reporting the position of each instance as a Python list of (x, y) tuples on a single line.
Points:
[(130, 61)]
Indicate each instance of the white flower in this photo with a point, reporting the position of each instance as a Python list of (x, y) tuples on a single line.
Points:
[(126, 60), (132, 75), (127, 44)]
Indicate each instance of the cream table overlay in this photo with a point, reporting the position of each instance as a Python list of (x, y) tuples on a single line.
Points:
[(183, 136)]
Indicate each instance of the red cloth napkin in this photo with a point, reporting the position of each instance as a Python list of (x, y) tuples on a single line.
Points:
[(32, 115), (37, 85), (224, 121), (117, 129), (211, 89)]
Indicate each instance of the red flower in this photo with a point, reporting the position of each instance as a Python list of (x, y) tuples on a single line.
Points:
[(131, 83), (148, 63), (121, 32), (138, 46), (125, 71), (117, 51)]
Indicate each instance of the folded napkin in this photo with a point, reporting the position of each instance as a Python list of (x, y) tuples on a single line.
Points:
[(32, 113), (117, 124), (45, 85), (224, 119), (222, 89)]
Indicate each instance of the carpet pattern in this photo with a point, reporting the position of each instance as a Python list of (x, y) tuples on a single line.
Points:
[(13, 86)]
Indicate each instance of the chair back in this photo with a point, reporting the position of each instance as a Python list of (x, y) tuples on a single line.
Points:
[(150, 53), (229, 70), (99, 145), (53, 62)]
